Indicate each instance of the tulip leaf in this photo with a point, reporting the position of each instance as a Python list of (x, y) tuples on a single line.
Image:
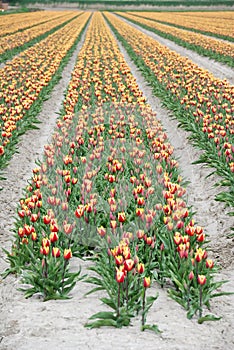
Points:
[(103, 315), (153, 328), (208, 318), (102, 323)]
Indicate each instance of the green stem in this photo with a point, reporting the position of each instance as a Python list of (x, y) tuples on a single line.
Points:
[(127, 292), (200, 302), (118, 313), (143, 310)]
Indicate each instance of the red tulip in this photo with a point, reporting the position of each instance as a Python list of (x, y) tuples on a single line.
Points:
[(201, 279), (121, 217), (140, 268), (55, 252), (146, 282), (128, 264), (120, 275), (209, 263), (67, 254), (53, 237), (101, 231)]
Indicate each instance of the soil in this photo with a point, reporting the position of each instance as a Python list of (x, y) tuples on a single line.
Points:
[(33, 324)]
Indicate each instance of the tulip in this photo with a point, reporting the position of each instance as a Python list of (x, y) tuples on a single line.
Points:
[(128, 264), (53, 237), (191, 275), (121, 217), (140, 268), (146, 282), (45, 250), (139, 211), (209, 263), (120, 275), (119, 260), (140, 234), (34, 236), (79, 211), (101, 231), (67, 254), (55, 252), (201, 279)]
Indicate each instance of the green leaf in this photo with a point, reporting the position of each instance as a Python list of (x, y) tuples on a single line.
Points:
[(104, 315), (208, 318), (109, 302), (153, 328), (102, 323)]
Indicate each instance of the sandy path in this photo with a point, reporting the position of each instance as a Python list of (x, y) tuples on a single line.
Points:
[(32, 324)]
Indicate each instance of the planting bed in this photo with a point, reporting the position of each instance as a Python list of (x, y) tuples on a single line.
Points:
[(109, 189)]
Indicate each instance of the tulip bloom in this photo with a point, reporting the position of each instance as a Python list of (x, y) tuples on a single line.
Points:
[(53, 237), (140, 268), (209, 263), (79, 211), (146, 282), (128, 264), (191, 275), (121, 217), (101, 231), (67, 254), (201, 279), (45, 250), (55, 252), (119, 260), (120, 275)]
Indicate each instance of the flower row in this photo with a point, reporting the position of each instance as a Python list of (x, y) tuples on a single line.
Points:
[(109, 187), (25, 77), (202, 42), (17, 22), (11, 41), (202, 103), (214, 23)]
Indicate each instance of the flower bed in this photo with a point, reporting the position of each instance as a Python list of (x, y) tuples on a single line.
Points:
[(14, 43), (109, 189), (218, 24), (28, 78), (218, 50), (202, 104)]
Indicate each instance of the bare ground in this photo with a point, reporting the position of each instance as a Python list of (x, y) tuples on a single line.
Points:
[(32, 324)]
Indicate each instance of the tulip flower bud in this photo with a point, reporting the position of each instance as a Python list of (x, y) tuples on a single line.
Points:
[(55, 252), (201, 279), (67, 254), (146, 282), (140, 268), (120, 275)]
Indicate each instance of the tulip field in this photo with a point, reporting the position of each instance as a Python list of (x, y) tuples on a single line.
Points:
[(108, 188)]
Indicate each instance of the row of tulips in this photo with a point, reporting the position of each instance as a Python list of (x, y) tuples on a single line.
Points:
[(28, 78), (219, 50), (13, 23), (10, 42), (202, 104), (218, 24), (109, 188)]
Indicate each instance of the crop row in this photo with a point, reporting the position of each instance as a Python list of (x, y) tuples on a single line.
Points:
[(109, 187), (219, 50), (18, 40), (210, 23), (18, 22), (202, 104), (26, 80)]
